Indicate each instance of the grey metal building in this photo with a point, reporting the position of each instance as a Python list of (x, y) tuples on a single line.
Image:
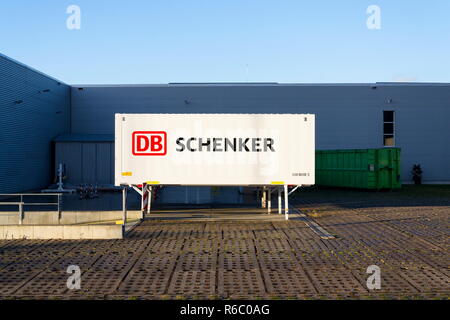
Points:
[(412, 116), (79, 119), (34, 109)]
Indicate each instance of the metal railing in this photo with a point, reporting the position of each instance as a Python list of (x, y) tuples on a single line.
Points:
[(22, 202)]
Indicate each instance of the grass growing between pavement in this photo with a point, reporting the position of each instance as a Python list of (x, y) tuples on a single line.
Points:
[(406, 191)]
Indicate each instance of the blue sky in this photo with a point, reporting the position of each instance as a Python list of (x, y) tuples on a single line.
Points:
[(160, 41)]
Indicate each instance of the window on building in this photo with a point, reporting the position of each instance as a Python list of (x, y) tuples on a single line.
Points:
[(388, 128)]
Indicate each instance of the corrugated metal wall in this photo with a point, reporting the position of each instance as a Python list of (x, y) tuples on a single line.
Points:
[(182, 194), (34, 109), (87, 162), (347, 115), (92, 162)]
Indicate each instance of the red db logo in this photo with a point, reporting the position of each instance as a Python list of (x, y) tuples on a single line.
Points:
[(149, 143)]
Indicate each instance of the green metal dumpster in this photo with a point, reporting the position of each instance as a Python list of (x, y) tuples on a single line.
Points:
[(359, 168)]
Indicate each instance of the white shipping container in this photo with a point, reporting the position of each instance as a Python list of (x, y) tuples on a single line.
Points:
[(215, 149)]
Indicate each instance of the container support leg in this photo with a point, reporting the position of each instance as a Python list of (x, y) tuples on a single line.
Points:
[(279, 201), (263, 198), (124, 208), (143, 192), (286, 202), (269, 201), (59, 208), (150, 196), (20, 212)]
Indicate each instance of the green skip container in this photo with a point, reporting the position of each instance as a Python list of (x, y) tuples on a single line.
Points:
[(359, 168)]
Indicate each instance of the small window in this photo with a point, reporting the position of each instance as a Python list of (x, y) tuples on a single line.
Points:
[(388, 116), (388, 140), (388, 129)]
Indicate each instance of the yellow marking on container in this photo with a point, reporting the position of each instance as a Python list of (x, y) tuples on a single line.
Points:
[(128, 173), (152, 182), (277, 182), (119, 221)]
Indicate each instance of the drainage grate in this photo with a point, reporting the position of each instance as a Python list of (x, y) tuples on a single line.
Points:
[(144, 233), (241, 260), (329, 280), (295, 229), (272, 245), (129, 245), (114, 262), (237, 231), (278, 261), (288, 283), (191, 283), (237, 246), (48, 283), (427, 279), (237, 261), (84, 262), (268, 233), (240, 283), (196, 262), (30, 264), (149, 281), (165, 245), (310, 245), (156, 262), (391, 282), (318, 259), (200, 245), (10, 281), (98, 283)]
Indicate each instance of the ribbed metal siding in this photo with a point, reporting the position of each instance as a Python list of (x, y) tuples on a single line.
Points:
[(182, 194), (27, 128), (87, 162), (69, 154), (347, 116), (93, 163)]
